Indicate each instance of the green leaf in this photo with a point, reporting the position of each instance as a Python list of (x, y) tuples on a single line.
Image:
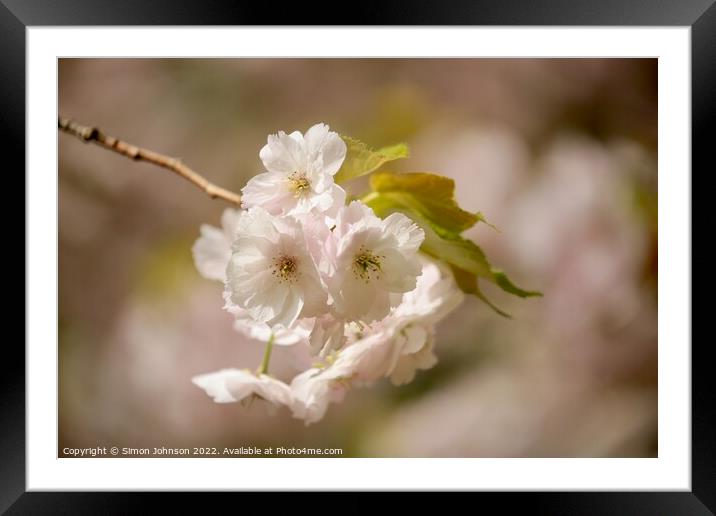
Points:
[(442, 220), (468, 256), (468, 284), (361, 159), (431, 195)]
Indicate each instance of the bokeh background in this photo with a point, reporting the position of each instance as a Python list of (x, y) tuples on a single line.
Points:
[(559, 154)]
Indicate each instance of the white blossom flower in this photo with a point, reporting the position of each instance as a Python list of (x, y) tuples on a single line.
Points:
[(395, 347), (312, 392), (271, 273), (299, 177), (416, 353), (298, 333), (327, 334), (232, 385), (412, 323), (435, 295), (321, 242), (375, 262), (212, 249), (316, 388), (299, 267), (212, 252)]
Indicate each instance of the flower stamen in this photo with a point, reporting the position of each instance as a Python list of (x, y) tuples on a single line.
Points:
[(299, 183), (366, 265), (285, 268)]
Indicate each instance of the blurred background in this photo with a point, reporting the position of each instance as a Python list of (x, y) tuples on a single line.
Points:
[(559, 154)]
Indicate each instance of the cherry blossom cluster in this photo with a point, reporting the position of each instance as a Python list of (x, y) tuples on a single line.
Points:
[(300, 267)]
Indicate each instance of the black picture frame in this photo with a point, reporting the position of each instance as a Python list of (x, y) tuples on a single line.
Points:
[(700, 15)]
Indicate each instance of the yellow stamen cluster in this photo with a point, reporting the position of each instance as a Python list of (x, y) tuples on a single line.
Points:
[(285, 268), (299, 183), (366, 265)]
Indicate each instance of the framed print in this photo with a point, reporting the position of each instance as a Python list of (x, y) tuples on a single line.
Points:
[(449, 256)]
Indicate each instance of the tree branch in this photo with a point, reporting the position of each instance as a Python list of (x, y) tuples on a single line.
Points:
[(95, 135)]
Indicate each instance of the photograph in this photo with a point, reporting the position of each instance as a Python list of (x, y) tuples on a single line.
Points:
[(357, 257)]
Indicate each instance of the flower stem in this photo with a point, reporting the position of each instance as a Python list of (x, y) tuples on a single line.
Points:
[(263, 368), (92, 134)]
